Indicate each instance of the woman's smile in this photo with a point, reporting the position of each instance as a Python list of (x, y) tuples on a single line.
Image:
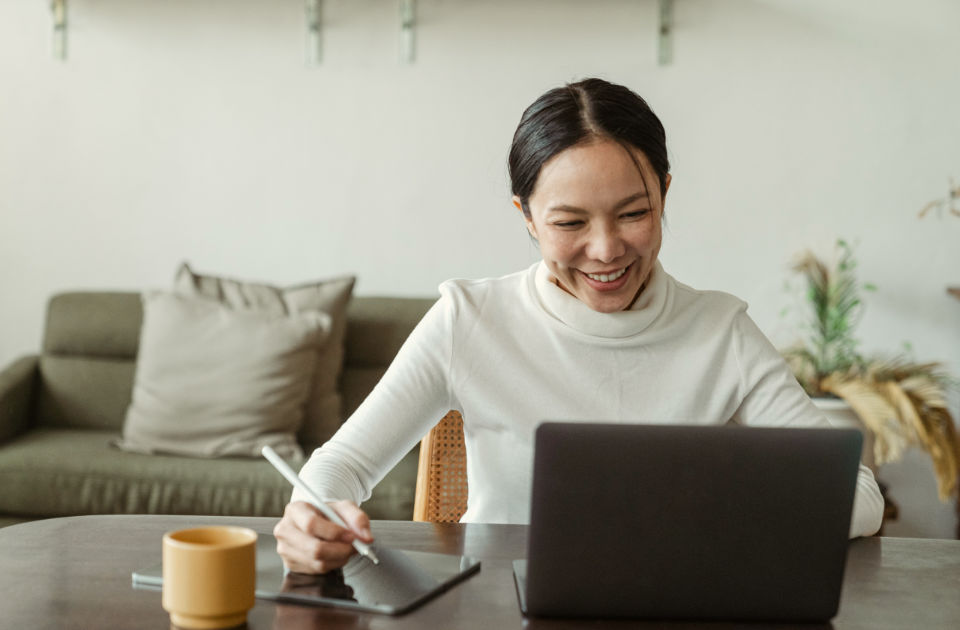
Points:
[(607, 280), (606, 276)]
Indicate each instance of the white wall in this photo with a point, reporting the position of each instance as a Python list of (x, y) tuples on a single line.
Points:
[(193, 130)]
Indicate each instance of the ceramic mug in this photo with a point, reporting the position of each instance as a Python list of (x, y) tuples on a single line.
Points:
[(209, 576)]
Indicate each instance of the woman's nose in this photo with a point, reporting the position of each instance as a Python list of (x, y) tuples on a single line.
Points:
[(605, 245)]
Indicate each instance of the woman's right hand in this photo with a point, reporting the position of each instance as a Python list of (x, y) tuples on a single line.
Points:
[(310, 543)]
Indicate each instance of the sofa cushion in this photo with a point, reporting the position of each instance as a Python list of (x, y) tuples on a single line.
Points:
[(86, 369), (84, 392), (94, 324), (63, 472), (214, 381), (323, 407), (376, 328)]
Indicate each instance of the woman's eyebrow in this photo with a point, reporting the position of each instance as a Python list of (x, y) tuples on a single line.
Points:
[(626, 201)]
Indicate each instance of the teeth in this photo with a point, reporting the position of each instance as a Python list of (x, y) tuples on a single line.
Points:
[(603, 277)]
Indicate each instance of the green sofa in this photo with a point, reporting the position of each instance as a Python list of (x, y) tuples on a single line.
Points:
[(60, 411)]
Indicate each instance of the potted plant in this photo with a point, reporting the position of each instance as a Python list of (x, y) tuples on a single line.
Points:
[(898, 401)]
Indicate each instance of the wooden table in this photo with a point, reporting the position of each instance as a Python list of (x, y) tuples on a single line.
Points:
[(75, 573)]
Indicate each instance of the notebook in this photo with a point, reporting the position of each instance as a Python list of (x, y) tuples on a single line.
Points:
[(688, 522), (402, 581)]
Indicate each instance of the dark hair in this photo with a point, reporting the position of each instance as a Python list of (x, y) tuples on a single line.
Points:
[(577, 113)]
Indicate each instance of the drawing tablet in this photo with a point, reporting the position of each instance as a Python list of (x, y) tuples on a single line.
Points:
[(402, 580)]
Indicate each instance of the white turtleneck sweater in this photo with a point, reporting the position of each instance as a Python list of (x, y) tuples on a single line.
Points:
[(511, 352)]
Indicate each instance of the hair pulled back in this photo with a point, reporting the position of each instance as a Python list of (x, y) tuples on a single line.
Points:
[(578, 113)]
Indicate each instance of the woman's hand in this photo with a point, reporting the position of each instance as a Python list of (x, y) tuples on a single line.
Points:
[(310, 543)]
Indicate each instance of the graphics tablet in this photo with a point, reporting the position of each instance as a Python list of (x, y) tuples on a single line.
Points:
[(402, 580)]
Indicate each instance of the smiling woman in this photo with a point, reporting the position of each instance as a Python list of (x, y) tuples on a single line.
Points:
[(596, 331)]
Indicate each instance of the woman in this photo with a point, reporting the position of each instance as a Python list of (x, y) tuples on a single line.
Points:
[(596, 330)]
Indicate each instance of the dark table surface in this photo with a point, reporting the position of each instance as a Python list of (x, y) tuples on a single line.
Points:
[(75, 573)]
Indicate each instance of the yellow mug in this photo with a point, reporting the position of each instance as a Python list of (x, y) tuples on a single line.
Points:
[(209, 576)]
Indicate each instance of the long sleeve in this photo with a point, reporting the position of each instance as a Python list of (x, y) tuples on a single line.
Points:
[(411, 397), (773, 396)]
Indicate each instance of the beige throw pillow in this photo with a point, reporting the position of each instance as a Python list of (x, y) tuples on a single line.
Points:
[(322, 413), (215, 381)]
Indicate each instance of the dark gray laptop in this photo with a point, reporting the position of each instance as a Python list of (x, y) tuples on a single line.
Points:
[(688, 522)]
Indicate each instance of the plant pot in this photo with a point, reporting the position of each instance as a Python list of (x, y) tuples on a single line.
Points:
[(842, 415)]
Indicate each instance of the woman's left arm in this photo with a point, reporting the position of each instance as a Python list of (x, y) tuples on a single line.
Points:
[(772, 396)]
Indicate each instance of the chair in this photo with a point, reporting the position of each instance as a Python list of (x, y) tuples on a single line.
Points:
[(441, 495)]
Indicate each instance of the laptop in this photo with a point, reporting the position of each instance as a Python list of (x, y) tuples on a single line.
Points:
[(688, 522)]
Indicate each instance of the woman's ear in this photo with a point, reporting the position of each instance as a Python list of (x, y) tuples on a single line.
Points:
[(531, 228), (526, 219), (663, 201)]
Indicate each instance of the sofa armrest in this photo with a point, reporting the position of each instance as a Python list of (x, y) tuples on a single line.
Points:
[(17, 383)]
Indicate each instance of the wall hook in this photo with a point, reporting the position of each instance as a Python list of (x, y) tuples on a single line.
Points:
[(314, 41), (665, 33), (407, 23), (59, 10)]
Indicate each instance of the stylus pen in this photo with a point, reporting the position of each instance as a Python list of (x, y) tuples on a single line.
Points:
[(362, 548)]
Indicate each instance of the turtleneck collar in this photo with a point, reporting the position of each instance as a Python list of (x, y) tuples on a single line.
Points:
[(573, 313)]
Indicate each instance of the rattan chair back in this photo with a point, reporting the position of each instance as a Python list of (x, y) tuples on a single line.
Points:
[(441, 495)]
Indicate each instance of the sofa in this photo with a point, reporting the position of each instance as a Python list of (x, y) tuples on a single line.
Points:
[(62, 410)]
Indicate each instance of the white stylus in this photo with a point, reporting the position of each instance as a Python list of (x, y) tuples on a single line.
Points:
[(362, 548)]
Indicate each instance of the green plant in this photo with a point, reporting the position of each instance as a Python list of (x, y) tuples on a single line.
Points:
[(833, 298), (901, 402)]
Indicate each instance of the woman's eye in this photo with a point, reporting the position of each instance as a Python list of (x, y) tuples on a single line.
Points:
[(636, 214), (568, 224)]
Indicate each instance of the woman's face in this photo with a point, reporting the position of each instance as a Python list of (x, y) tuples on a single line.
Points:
[(597, 223)]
